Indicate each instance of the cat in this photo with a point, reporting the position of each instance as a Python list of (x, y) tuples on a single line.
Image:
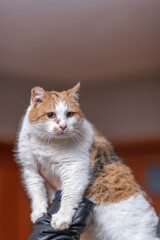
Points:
[(56, 135)]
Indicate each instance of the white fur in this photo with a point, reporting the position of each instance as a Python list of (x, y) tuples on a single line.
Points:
[(63, 156), (67, 156), (131, 219)]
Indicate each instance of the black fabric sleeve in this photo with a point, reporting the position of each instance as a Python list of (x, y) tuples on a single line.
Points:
[(42, 229)]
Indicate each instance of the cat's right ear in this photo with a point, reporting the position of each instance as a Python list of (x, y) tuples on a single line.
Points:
[(37, 94)]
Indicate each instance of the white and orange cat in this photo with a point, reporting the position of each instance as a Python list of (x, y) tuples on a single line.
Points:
[(56, 135)]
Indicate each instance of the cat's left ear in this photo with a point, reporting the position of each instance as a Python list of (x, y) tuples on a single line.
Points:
[(74, 92), (37, 94)]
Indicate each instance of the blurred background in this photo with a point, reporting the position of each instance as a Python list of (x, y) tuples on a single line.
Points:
[(113, 49)]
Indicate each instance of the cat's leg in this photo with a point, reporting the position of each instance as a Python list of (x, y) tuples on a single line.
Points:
[(34, 184), (33, 181), (131, 219), (74, 179), (50, 192), (52, 183)]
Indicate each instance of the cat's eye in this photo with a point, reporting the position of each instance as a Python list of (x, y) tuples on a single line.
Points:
[(51, 115), (69, 114)]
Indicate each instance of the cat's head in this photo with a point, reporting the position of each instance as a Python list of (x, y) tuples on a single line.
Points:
[(55, 114)]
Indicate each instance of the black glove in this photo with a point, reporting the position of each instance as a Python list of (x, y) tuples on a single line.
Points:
[(42, 229)]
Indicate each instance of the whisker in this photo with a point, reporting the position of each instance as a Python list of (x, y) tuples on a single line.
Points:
[(80, 134), (75, 137), (45, 139)]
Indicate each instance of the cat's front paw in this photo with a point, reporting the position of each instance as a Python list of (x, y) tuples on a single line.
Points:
[(61, 221), (37, 214)]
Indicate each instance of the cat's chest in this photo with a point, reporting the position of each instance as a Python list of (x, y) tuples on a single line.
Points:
[(51, 154), (46, 154)]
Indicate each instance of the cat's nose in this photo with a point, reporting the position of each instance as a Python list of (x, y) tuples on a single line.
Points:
[(63, 127)]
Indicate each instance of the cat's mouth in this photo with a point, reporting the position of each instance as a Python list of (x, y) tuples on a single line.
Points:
[(62, 133)]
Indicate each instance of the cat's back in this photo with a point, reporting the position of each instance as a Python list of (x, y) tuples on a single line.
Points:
[(111, 179), (123, 210)]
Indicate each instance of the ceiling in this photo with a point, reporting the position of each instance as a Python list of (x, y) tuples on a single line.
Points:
[(86, 39)]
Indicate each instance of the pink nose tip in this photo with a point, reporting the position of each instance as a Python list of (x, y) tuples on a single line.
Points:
[(63, 127)]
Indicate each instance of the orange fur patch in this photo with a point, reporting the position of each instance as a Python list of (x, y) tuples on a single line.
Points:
[(49, 100), (71, 103), (39, 111), (55, 129), (116, 183), (58, 121)]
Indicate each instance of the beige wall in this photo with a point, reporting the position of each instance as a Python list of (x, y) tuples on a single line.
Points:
[(112, 47), (85, 39)]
